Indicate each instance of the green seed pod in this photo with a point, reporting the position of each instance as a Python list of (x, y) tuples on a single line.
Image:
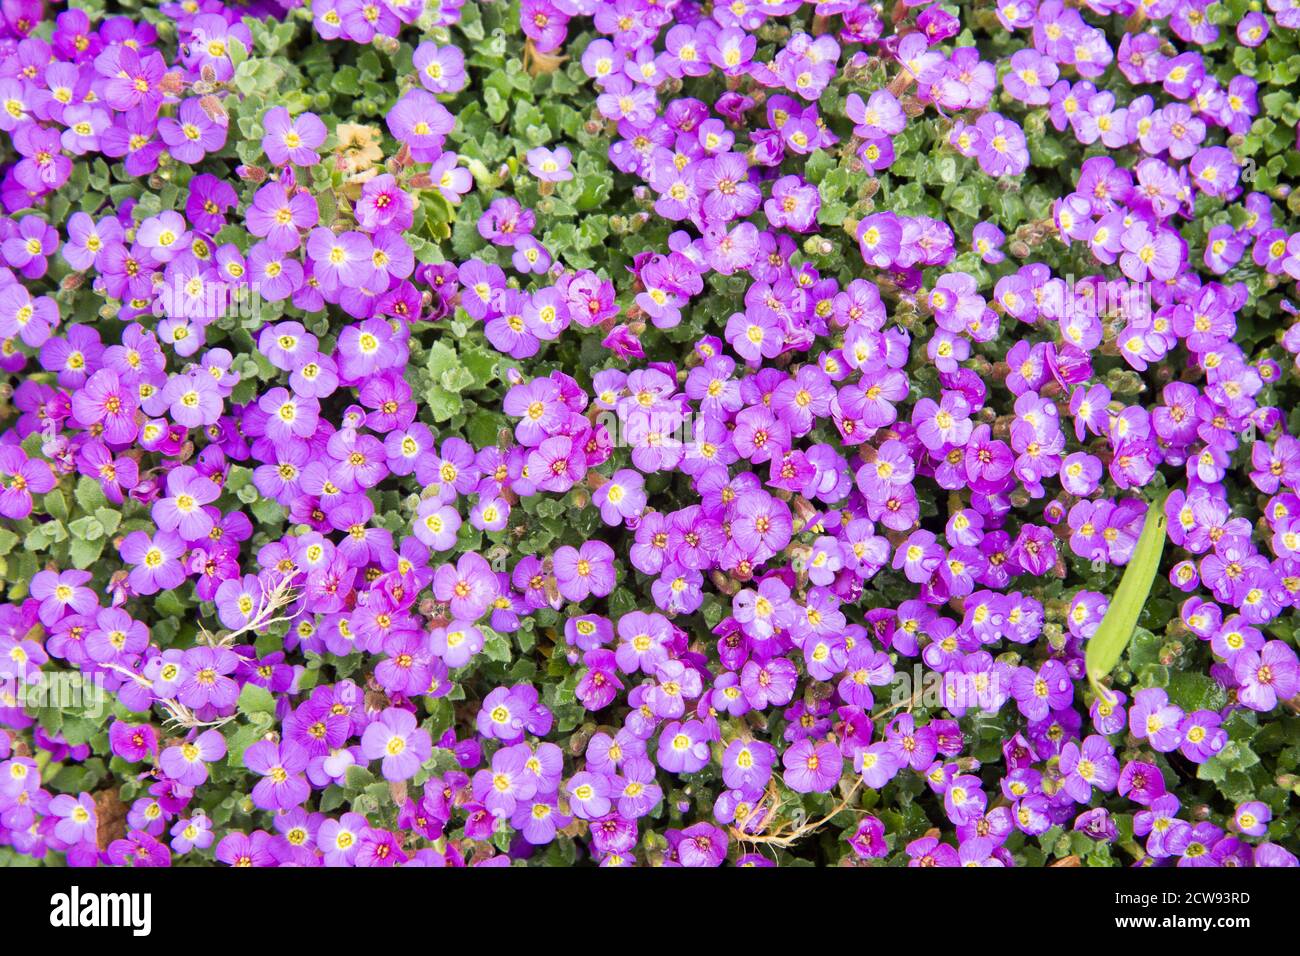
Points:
[(1106, 647)]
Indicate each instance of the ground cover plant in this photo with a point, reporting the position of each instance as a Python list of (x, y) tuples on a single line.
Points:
[(649, 432)]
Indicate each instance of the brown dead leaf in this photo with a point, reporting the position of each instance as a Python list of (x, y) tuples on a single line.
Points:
[(110, 813)]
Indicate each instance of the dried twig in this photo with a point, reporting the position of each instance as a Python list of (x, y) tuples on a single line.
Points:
[(181, 716), (909, 704), (269, 604), (786, 835), (268, 607)]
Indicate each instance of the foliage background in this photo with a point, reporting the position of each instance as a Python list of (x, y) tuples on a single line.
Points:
[(598, 221)]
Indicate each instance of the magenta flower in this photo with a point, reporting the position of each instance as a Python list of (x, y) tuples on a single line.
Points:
[(812, 766), (20, 478), (280, 766), (1266, 676), (556, 464), (469, 587), (193, 133), (421, 123), (583, 571), (701, 845)]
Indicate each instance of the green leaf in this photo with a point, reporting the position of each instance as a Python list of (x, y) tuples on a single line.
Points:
[(236, 50), (346, 80), (442, 358), (267, 511), (44, 535), (109, 519), (442, 403), (87, 527), (56, 506), (169, 604), (84, 551), (358, 778), (480, 363), (496, 647), (239, 741), (456, 379), (1192, 691), (254, 699), (1107, 646), (441, 716), (90, 495)]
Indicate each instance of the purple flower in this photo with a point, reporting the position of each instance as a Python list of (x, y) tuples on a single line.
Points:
[(77, 818), (292, 139), (1039, 693), (727, 192), (279, 216), (507, 783), (20, 478), (1267, 676), (550, 166), (508, 714), (186, 763), (440, 69), (1002, 150), (583, 571), (207, 681), (394, 738), (193, 133), (812, 766), (683, 747), (701, 845), (62, 592), (421, 123), (944, 423), (182, 510)]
